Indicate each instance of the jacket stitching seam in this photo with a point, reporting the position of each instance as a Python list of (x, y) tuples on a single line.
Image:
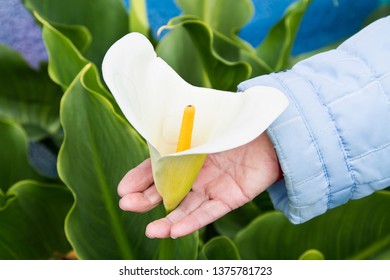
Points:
[(352, 93), (308, 179), (370, 152), (340, 142), (376, 79), (376, 181), (374, 75), (288, 122), (281, 82)]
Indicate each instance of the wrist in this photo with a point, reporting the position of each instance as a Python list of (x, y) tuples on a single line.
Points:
[(272, 160), (280, 171)]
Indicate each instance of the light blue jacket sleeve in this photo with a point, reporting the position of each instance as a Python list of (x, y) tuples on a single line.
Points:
[(333, 140)]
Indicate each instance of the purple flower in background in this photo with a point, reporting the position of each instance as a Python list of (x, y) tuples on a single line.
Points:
[(20, 31)]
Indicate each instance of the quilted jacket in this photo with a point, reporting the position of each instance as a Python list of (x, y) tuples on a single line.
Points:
[(333, 141)]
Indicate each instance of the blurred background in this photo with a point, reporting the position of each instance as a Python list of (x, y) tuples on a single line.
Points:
[(326, 22)]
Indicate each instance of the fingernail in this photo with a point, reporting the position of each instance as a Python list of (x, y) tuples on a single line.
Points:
[(121, 206)]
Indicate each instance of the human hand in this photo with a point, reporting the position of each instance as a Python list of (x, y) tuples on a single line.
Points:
[(226, 181)]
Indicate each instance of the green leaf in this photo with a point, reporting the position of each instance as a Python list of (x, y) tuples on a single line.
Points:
[(79, 35), (376, 250), (32, 221), (380, 12), (64, 68), (224, 16), (65, 60), (183, 57), (230, 224), (181, 248), (220, 248), (238, 50), (312, 254), (139, 19), (264, 202), (106, 20), (295, 59), (236, 220), (177, 48), (209, 47), (3, 199), (275, 49), (14, 164), (98, 149), (382, 254), (28, 96), (342, 233)]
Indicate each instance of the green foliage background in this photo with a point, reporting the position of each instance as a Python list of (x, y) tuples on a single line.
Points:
[(66, 107)]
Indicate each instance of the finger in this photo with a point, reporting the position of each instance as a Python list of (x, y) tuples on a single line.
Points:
[(178, 224), (162, 227), (159, 229), (140, 201), (207, 213), (137, 179)]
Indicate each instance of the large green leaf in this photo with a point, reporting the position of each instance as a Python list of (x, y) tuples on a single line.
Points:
[(380, 12), (276, 47), (220, 248), (235, 50), (224, 16), (32, 221), (191, 53), (139, 18), (3, 199), (182, 248), (106, 20), (14, 164), (98, 149), (28, 96), (230, 224), (204, 48), (183, 57), (65, 59), (358, 228), (382, 255), (79, 35)]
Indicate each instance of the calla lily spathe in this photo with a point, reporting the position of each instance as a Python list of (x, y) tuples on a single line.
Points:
[(152, 96)]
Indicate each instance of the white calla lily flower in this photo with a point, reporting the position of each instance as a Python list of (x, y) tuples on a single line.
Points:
[(153, 96)]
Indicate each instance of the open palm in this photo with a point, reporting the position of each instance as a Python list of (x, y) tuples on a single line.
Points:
[(227, 181)]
